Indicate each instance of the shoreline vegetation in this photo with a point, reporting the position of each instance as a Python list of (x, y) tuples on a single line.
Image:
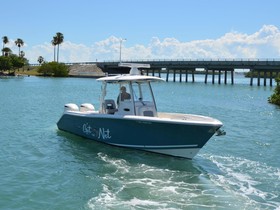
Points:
[(275, 97)]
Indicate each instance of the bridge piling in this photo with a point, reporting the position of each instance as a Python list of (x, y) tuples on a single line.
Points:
[(180, 75), (206, 75), (167, 74), (147, 72), (270, 79), (232, 76), (251, 79), (193, 75)]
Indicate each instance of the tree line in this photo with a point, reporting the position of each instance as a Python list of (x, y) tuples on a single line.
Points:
[(10, 61)]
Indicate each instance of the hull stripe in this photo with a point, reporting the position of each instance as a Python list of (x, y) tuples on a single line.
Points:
[(156, 147)]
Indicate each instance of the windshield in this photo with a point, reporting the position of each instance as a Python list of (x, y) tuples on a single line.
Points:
[(142, 92)]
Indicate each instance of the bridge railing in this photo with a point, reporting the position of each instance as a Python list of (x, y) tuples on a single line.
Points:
[(210, 59), (174, 60)]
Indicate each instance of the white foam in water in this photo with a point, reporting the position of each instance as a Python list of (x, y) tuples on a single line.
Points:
[(235, 182), (105, 197), (142, 203), (242, 178), (108, 199), (169, 189), (119, 164), (141, 186)]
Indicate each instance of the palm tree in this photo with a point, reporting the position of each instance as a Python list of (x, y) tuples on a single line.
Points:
[(54, 43), (19, 43), (6, 51), (5, 41), (59, 39), (40, 59), (21, 54)]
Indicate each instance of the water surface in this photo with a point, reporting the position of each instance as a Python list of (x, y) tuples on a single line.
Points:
[(44, 168)]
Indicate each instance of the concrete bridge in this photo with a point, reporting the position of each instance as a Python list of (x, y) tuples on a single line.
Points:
[(270, 68)]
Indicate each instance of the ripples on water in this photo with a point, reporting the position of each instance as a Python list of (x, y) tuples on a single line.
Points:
[(43, 168)]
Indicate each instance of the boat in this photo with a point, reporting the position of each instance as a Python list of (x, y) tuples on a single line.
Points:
[(130, 119)]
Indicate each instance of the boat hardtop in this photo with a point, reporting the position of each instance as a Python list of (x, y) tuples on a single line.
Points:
[(128, 77), (134, 75)]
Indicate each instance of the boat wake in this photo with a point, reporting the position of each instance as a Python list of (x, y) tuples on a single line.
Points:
[(245, 178), (168, 183)]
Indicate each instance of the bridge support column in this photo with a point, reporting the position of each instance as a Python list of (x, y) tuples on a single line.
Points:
[(232, 76), (186, 79), (259, 78), (167, 74), (219, 79), (180, 75), (252, 73), (206, 75), (270, 78), (147, 72), (193, 75), (159, 73), (174, 75), (264, 78), (225, 77), (213, 76)]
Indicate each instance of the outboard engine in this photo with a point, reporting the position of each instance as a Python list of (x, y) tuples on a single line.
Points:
[(71, 107), (86, 107)]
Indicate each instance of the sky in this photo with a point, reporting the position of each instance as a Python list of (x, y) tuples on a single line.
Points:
[(153, 29)]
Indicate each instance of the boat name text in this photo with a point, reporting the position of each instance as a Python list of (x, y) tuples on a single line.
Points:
[(99, 133)]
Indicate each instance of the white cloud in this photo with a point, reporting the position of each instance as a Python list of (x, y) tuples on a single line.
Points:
[(264, 43)]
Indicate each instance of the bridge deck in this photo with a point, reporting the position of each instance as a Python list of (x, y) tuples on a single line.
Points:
[(210, 66)]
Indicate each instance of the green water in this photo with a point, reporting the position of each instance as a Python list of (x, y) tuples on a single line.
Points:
[(43, 168)]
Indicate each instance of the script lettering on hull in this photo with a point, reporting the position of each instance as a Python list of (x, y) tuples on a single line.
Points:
[(99, 133)]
